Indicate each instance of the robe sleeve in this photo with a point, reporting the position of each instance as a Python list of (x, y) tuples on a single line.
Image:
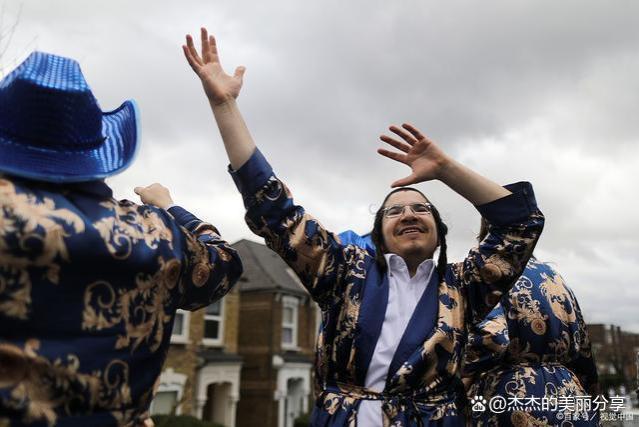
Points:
[(211, 265), (313, 253), (487, 343), (583, 364), (491, 269)]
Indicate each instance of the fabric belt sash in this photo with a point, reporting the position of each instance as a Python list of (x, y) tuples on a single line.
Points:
[(413, 405)]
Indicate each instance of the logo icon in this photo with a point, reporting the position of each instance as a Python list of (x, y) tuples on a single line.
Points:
[(478, 404)]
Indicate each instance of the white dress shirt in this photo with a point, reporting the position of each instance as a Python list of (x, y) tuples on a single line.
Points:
[(404, 292)]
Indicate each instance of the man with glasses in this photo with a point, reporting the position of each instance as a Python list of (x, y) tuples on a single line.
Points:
[(393, 321)]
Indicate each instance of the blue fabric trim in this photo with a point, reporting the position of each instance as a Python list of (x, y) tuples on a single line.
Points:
[(371, 319), (514, 208), (420, 326), (349, 237), (252, 175)]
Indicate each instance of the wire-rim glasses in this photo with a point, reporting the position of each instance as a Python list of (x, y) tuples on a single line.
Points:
[(416, 208)]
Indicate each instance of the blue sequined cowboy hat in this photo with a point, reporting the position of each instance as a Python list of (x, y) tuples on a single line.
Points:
[(52, 128)]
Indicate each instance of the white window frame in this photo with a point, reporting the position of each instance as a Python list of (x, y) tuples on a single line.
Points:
[(182, 338), (171, 381), (318, 320), (178, 393), (293, 303), (211, 342)]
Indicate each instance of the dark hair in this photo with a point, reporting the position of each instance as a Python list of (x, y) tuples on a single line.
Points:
[(378, 237)]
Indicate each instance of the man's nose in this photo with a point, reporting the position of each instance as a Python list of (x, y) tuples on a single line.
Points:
[(407, 214)]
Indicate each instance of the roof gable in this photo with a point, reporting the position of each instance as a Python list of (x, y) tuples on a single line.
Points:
[(264, 270)]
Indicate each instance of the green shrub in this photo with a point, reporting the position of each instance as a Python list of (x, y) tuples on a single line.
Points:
[(302, 421), (181, 421)]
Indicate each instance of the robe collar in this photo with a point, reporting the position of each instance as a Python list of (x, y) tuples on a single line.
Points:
[(371, 318)]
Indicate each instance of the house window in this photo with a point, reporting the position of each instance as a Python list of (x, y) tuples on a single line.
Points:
[(608, 336), (318, 321), (289, 322), (180, 333), (168, 398), (165, 402), (214, 324)]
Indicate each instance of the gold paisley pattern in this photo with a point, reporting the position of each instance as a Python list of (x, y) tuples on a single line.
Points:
[(40, 386), (525, 308), (554, 289), (338, 278), (89, 287), (32, 233), (538, 326), (201, 273), (143, 312), (534, 344), (129, 224)]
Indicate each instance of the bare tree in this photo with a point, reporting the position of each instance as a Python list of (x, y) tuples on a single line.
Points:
[(8, 24)]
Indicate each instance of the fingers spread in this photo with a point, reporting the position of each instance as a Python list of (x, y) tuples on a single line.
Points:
[(395, 143), (414, 131), (393, 155), (403, 134), (193, 57), (189, 58), (239, 72), (213, 46), (206, 53)]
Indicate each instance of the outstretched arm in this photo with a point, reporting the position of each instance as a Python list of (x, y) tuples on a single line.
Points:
[(210, 266), (515, 223), (222, 89), (315, 254), (155, 194), (429, 162)]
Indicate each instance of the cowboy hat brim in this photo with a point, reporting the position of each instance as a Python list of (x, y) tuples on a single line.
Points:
[(121, 133)]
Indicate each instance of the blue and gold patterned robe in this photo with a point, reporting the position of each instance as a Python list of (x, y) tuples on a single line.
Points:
[(534, 344), (423, 385), (89, 287)]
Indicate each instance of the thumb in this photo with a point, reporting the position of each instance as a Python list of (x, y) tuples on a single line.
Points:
[(410, 179), (138, 190), (239, 72)]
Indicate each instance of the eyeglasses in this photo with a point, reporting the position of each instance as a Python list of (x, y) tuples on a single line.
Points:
[(416, 208)]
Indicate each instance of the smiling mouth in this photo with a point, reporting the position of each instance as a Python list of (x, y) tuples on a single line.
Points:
[(410, 230)]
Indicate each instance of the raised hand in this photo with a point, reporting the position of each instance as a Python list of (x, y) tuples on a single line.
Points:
[(218, 86), (155, 195), (423, 156)]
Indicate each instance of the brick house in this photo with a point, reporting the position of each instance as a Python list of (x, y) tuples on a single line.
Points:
[(201, 375), (616, 352), (278, 326)]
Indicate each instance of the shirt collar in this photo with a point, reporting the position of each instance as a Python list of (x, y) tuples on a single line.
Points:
[(397, 265)]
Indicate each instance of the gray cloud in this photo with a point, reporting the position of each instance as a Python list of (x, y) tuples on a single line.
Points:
[(541, 91)]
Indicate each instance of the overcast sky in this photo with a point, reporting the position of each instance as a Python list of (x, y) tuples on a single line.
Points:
[(543, 91)]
